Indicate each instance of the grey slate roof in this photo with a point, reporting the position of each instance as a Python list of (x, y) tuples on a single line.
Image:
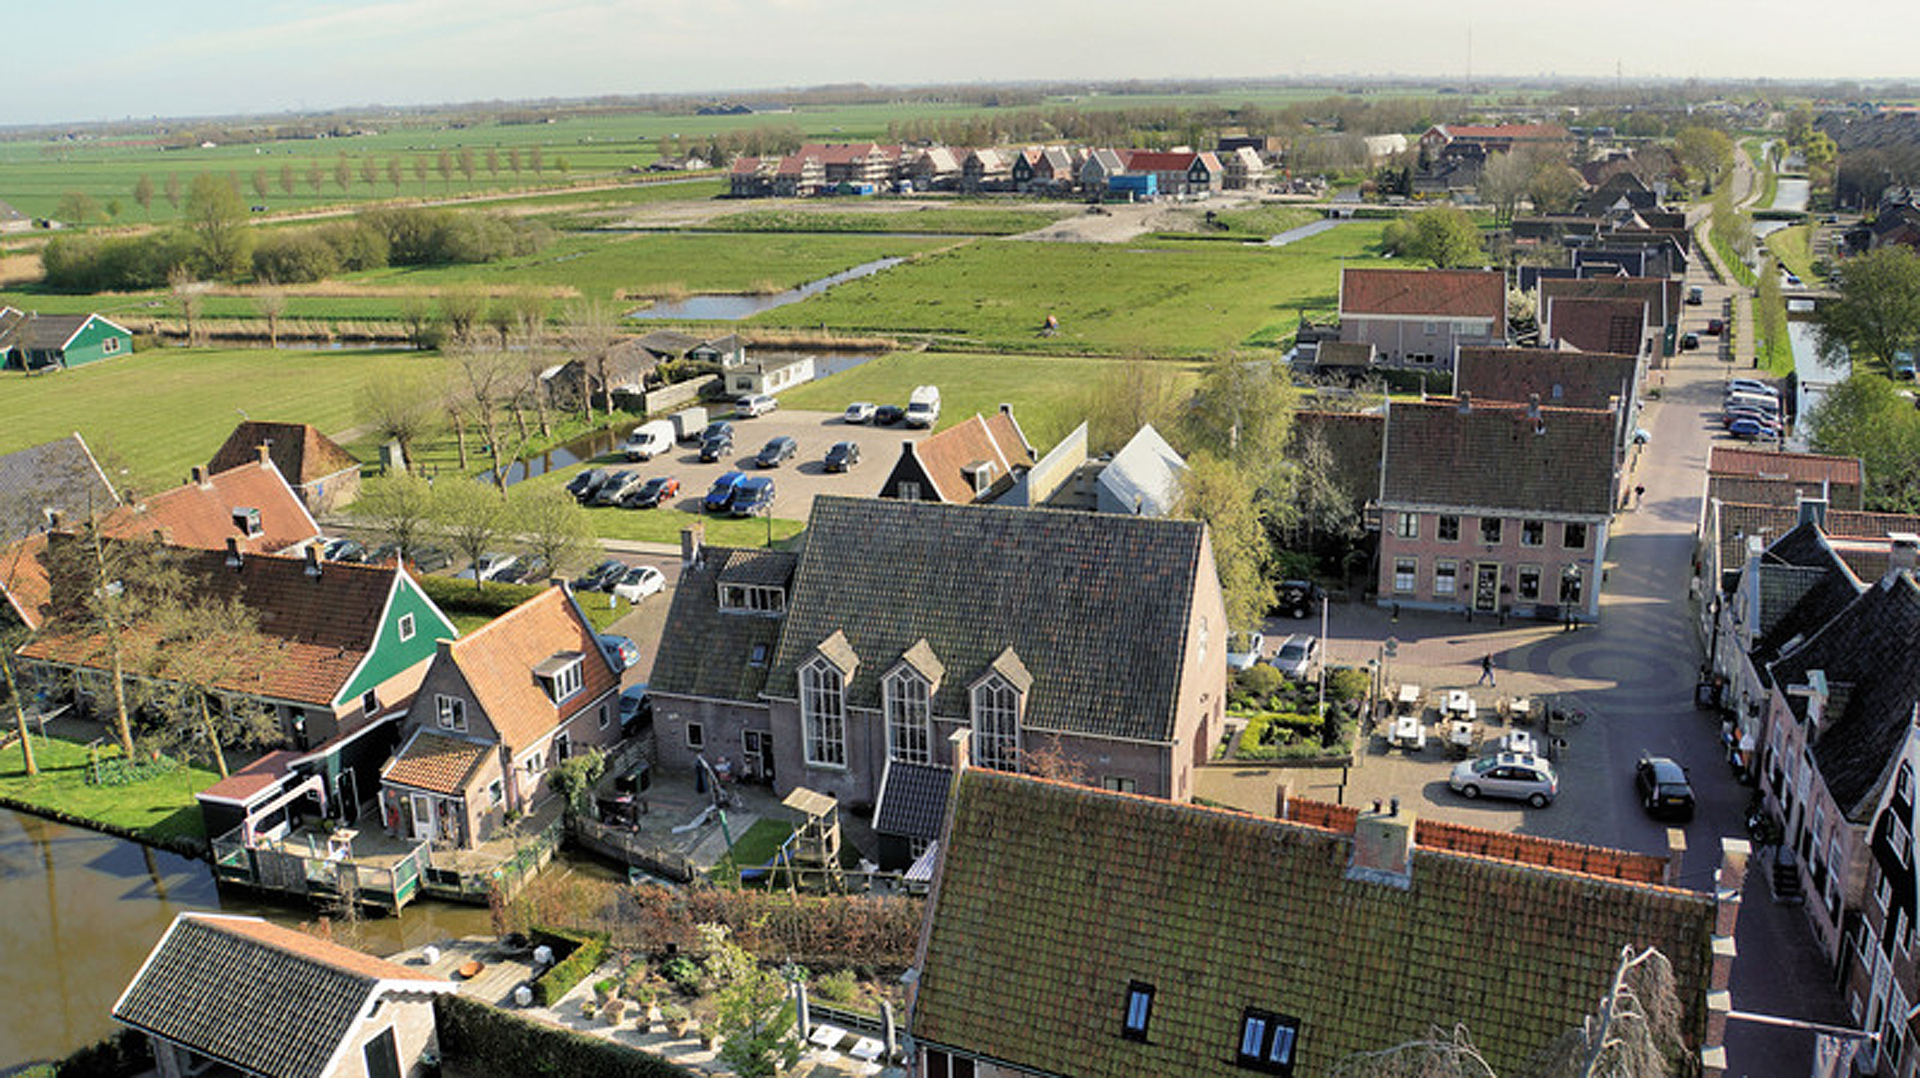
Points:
[(1095, 606), (268, 999), (913, 800), (708, 652), (1867, 651), (58, 475), (1804, 584), (1493, 456)]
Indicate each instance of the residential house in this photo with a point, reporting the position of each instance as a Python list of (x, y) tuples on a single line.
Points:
[(325, 476), (799, 175), (1180, 172), (1662, 297), (986, 170), (60, 478), (221, 994), (769, 372), (1839, 717), (495, 711), (1882, 977), (1442, 141), (1420, 319), (1840, 480), (1243, 170), (1496, 508), (250, 506), (1072, 930), (751, 177), (43, 342), (343, 643), (974, 460), (936, 168), (1141, 479), (853, 164), (1595, 380), (1615, 326), (807, 668), (1042, 170), (1100, 167)]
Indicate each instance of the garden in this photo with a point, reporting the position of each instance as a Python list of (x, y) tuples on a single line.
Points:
[(1283, 718)]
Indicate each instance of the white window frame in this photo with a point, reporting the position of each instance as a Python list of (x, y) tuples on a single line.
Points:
[(405, 627), (497, 793), (907, 698), (1406, 575), (1408, 526), (995, 706), (450, 711), (1446, 577), (823, 714), (1902, 840)]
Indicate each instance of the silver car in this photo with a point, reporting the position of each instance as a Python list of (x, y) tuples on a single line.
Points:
[(1296, 656), (1514, 776)]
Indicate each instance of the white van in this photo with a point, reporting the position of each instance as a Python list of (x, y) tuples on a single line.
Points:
[(689, 422), (923, 408), (649, 440)]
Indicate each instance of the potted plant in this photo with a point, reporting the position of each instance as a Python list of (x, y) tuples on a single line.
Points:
[(614, 1011), (588, 1009), (604, 989), (677, 1018)]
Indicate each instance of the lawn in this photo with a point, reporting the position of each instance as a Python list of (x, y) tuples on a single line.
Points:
[(1265, 221), (610, 265), (754, 848), (942, 220), (1112, 299), (1790, 245), (158, 809), (158, 412), (1048, 394)]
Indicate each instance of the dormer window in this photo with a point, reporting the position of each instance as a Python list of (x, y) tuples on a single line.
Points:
[(561, 676), (247, 521), (979, 475), (909, 716), (752, 599), (996, 724), (823, 713)]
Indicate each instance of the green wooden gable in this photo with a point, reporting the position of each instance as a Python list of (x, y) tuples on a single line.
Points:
[(391, 654)]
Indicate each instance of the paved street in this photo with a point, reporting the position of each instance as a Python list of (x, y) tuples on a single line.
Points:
[(1634, 674)]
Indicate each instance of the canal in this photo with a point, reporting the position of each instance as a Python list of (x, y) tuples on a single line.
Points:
[(80, 910)]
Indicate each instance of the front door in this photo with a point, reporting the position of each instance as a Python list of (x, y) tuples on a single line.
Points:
[(422, 816), (759, 753), (346, 796), (1486, 586)]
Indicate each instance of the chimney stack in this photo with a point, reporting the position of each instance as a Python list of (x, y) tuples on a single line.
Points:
[(1383, 848), (1906, 550), (1466, 402), (1533, 407), (199, 476), (313, 560), (692, 538), (1729, 882), (962, 742), (1676, 856), (1813, 511), (234, 560), (263, 449)]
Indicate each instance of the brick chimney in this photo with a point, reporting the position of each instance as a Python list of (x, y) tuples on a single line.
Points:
[(961, 741), (1466, 402), (234, 559), (263, 449), (693, 538), (200, 477), (1676, 856), (313, 560), (1383, 848)]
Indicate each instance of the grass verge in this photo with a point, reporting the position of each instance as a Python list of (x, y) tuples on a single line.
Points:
[(159, 810)]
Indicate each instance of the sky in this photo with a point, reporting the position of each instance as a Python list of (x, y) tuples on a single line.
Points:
[(116, 59)]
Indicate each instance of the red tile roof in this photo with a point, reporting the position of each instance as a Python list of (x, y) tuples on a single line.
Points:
[(1618, 326), (497, 661), (1560, 379), (1157, 161), (261, 775), (996, 439), (1801, 467), (301, 452), (1435, 292), (435, 762)]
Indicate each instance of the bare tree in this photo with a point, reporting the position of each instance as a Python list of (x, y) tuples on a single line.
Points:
[(1135, 392), (369, 172), (342, 172), (393, 173), (189, 294), (400, 507), (1503, 182), (474, 519), (488, 380), (553, 527), (272, 305), (398, 406), (461, 309), (286, 179), (590, 334), (102, 589), (172, 188), (204, 648)]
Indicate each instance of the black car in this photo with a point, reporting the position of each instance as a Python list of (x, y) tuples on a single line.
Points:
[(715, 429), (780, 449), (588, 483), (601, 576), (528, 570), (715, 445), (651, 493), (842, 456), (1296, 598), (888, 414), (1664, 789), (431, 559)]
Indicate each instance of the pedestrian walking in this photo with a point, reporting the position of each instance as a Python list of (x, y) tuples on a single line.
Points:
[(1639, 495), (1486, 671)]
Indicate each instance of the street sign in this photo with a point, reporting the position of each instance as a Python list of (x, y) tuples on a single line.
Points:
[(1391, 647)]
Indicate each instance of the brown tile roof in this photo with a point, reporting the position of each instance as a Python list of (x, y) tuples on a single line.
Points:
[(1661, 296), (260, 775), (1052, 899), (1778, 490), (1560, 379), (1803, 467), (302, 453), (497, 661), (1435, 292), (1493, 456), (435, 762), (320, 627), (1617, 326), (943, 456), (1517, 132), (257, 996)]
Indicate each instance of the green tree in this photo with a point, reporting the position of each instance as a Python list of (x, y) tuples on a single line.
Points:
[(1215, 492), (1866, 417), (398, 406), (1133, 393), (78, 207), (573, 778), (398, 506), (1503, 181), (472, 517), (1443, 235), (143, 193), (552, 527), (1242, 413), (172, 189), (261, 184), (756, 1020), (1706, 153), (1554, 188), (104, 589), (1877, 312), (217, 217), (461, 310)]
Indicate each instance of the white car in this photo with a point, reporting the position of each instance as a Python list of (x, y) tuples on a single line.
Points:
[(488, 567), (860, 412), (1296, 656), (639, 582), (1243, 650), (757, 405)]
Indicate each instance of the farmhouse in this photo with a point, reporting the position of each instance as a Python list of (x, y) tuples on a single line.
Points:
[(44, 342), (1179, 173), (975, 460), (325, 476)]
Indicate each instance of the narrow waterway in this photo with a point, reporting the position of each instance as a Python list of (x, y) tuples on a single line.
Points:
[(732, 308), (79, 911)]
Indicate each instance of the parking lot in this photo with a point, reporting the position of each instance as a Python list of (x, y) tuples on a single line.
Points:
[(796, 482)]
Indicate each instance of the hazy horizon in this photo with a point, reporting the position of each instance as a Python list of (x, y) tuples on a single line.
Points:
[(208, 57)]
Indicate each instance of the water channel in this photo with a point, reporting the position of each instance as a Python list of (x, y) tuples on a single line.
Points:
[(732, 308), (80, 910)]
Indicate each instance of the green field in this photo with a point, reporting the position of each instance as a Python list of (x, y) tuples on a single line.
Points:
[(942, 220), (157, 809), (156, 413), (1114, 299), (1048, 394)]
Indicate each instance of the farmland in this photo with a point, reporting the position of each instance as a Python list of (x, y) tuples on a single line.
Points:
[(926, 219)]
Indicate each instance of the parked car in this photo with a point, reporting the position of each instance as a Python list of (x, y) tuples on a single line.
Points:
[(1716, 326), (601, 576), (842, 456), (1696, 295), (618, 486), (1751, 429), (757, 405), (527, 570), (649, 440), (1296, 655), (719, 497), (779, 449), (1516, 776), (1297, 598), (754, 495), (640, 582), (621, 651), (343, 550), (585, 485), (1752, 385), (488, 567), (1689, 342), (859, 412), (652, 493), (1243, 650), (717, 427), (636, 706), (1664, 789), (715, 446), (431, 559), (1769, 425), (888, 414)]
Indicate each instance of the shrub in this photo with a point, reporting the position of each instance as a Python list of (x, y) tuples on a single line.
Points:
[(837, 987), (1260, 680), (483, 1039), (684, 974), (491, 600), (586, 951), (117, 1055), (294, 258), (116, 263), (1347, 683)]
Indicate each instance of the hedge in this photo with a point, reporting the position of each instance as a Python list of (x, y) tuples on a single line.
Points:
[(585, 952), (486, 1040), (118, 1055), (493, 599)]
